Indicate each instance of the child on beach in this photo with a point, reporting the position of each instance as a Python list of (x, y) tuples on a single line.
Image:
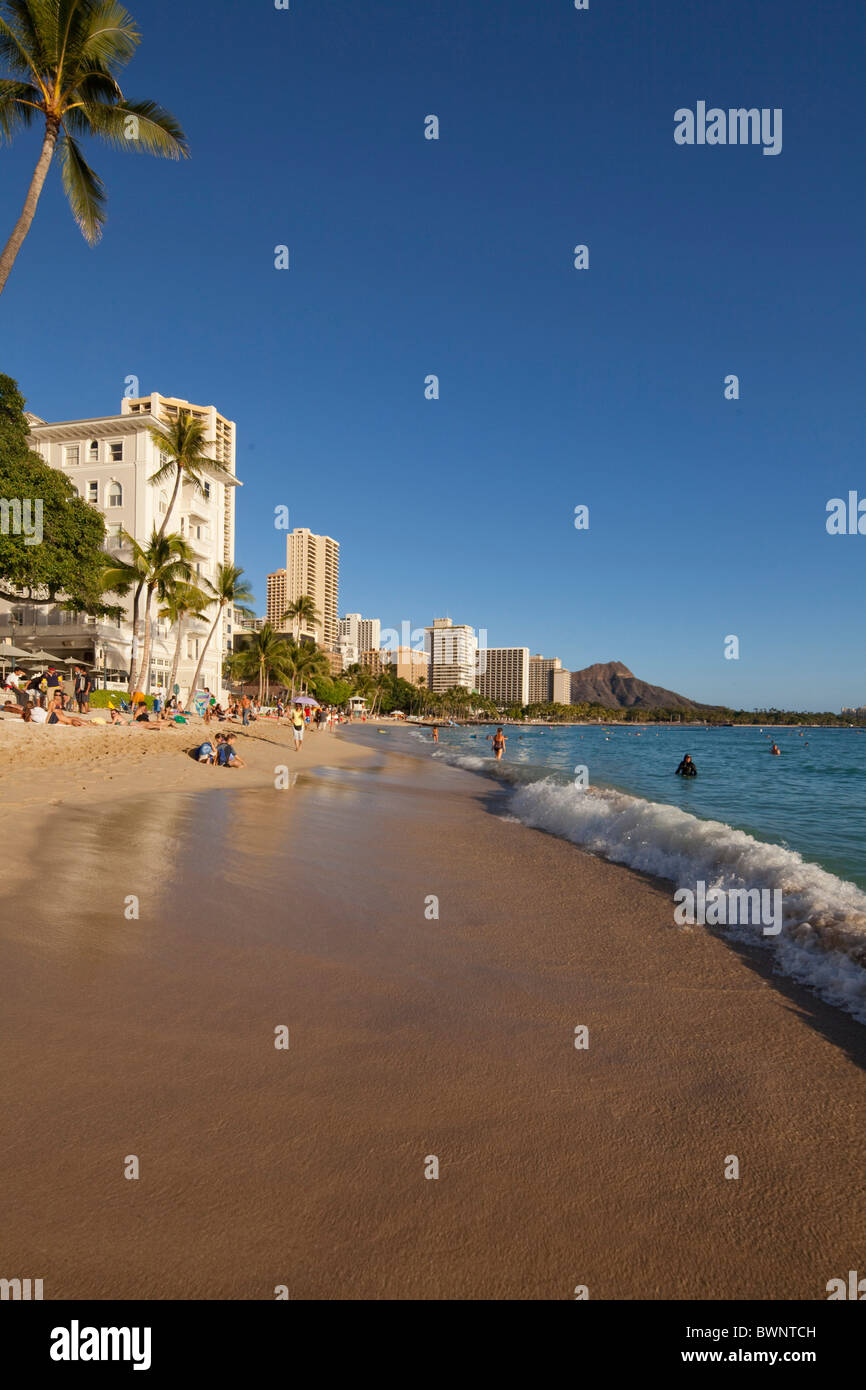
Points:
[(226, 756)]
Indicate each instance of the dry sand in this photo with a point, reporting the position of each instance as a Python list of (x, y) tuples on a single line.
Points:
[(409, 1037)]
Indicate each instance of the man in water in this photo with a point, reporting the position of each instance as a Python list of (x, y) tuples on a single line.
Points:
[(687, 768), (776, 749), (435, 733), (499, 742)]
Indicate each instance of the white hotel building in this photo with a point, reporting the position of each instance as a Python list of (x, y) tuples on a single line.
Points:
[(109, 460), (453, 652)]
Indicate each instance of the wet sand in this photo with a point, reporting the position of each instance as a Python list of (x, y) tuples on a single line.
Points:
[(409, 1037)]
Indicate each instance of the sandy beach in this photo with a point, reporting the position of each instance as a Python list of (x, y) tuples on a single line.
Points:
[(410, 1036)]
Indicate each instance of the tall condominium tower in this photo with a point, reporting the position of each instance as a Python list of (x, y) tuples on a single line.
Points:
[(364, 634), (453, 651), (503, 675), (313, 568), (541, 669)]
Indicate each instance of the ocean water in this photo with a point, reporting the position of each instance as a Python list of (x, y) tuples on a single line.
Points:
[(794, 824)]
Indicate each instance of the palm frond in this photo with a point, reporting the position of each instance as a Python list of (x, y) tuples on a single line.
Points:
[(156, 131), (18, 105), (84, 189), (106, 32)]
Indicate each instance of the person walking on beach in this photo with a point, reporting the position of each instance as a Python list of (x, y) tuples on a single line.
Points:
[(246, 706), (499, 742), (298, 727), (687, 768)]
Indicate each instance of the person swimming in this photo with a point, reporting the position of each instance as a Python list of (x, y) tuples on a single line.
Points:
[(687, 768), (776, 749)]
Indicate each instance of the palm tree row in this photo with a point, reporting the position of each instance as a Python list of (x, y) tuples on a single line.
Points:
[(164, 567), (270, 655)]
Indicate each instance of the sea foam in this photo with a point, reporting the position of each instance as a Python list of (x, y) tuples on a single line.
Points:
[(822, 943)]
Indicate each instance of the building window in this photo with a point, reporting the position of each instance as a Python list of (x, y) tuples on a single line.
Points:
[(207, 491), (72, 455), (116, 452), (93, 452), (115, 495), (93, 492), (163, 502)]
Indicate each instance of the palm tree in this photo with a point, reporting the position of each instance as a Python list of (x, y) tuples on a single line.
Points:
[(306, 663), (265, 654), (303, 612), (63, 56), (229, 589), (185, 445), (181, 602), (168, 562)]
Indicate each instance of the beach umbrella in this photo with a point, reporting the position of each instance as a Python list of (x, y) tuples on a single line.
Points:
[(306, 700), (47, 657), (7, 649)]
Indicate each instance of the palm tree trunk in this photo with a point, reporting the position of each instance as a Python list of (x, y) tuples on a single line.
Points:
[(194, 685), (133, 650), (28, 212), (144, 673), (176, 661), (165, 520)]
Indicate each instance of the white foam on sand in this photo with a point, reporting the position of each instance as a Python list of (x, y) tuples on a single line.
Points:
[(822, 942)]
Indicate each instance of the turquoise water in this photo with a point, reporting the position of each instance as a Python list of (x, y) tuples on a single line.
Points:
[(812, 799), (790, 827)]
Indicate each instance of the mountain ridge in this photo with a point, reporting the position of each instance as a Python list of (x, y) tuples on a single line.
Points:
[(613, 685)]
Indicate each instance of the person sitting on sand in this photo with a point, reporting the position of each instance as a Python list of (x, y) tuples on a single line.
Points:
[(35, 714), (205, 753), (227, 757), (687, 768), (56, 715)]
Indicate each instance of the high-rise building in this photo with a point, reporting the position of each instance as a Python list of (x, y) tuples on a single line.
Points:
[(541, 669), (503, 675), (452, 648), (560, 687), (312, 568), (278, 600), (110, 460), (363, 633)]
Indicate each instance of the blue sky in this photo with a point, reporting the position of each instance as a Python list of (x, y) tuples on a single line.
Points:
[(558, 387)]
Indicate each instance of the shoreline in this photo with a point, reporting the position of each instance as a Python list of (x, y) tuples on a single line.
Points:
[(409, 1037)]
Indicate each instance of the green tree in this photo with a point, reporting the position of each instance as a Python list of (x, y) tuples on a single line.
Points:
[(301, 613), (156, 568), (186, 447), (230, 589), (264, 654), (329, 691), (182, 601), (68, 565), (63, 57)]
